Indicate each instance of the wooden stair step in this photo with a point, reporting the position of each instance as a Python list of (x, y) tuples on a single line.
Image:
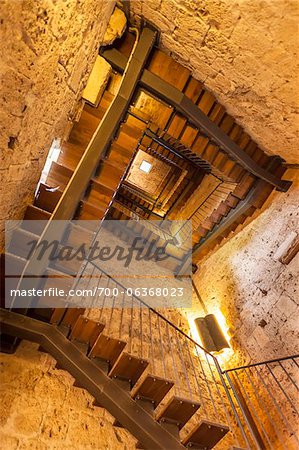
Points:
[(98, 201), (126, 141), (70, 155), (36, 214), (56, 279), (68, 266), (71, 316), (217, 113), (189, 135), (101, 188), (116, 162), (219, 159), (84, 129), (244, 186), (232, 201), (178, 411), (86, 330), (13, 264), (168, 69), (107, 349), (108, 176), (201, 231), (134, 122), (132, 131), (200, 144), (206, 102), (22, 242), (153, 388), (47, 197), (128, 367), (91, 213), (205, 435), (193, 89), (77, 234), (58, 175), (176, 125), (57, 315)]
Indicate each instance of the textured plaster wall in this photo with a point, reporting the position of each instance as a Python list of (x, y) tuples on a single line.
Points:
[(47, 51), (245, 52), (42, 410), (257, 294)]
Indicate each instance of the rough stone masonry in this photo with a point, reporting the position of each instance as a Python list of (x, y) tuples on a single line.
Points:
[(47, 52), (245, 53)]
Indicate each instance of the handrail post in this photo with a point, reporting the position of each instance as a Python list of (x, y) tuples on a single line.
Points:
[(246, 414), (217, 365)]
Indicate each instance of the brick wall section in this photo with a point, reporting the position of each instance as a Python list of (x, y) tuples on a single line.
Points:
[(42, 410), (257, 294), (245, 52), (48, 49)]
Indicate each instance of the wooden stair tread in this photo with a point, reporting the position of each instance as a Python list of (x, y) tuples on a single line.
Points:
[(13, 264), (178, 410), (68, 267), (78, 234), (107, 348), (20, 243), (86, 330), (47, 198), (91, 213), (205, 435), (168, 69), (153, 388), (59, 175), (57, 315), (36, 213), (128, 367), (71, 315)]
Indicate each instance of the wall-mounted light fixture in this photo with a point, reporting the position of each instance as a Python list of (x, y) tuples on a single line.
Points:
[(210, 333)]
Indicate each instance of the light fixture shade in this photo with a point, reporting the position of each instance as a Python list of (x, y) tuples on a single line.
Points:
[(210, 333)]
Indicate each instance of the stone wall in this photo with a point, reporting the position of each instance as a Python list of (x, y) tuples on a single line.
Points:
[(245, 52), (47, 51), (256, 293), (42, 410)]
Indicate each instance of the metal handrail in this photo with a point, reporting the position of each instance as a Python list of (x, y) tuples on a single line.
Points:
[(260, 363), (153, 310)]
